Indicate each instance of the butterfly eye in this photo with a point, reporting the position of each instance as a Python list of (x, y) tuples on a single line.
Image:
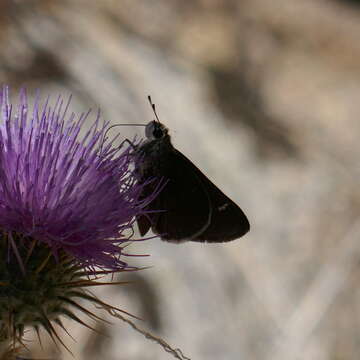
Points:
[(157, 133)]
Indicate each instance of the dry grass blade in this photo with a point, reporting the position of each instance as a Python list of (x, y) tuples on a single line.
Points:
[(176, 353)]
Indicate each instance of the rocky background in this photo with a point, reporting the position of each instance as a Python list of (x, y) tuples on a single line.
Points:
[(264, 96)]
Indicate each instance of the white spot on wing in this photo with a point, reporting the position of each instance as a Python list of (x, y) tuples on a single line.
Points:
[(223, 207)]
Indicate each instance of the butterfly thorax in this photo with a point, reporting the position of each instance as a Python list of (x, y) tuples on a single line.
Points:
[(154, 152)]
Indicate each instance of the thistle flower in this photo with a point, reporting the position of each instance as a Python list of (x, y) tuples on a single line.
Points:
[(60, 190), (67, 203)]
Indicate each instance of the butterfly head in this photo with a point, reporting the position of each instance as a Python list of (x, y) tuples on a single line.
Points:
[(154, 130)]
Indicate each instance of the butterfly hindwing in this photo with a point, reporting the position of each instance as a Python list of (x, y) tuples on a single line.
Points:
[(182, 209)]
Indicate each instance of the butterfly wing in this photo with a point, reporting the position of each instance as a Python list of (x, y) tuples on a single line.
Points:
[(190, 206), (228, 221), (182, 210)]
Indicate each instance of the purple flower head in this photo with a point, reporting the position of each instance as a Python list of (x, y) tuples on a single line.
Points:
[(63, 189)]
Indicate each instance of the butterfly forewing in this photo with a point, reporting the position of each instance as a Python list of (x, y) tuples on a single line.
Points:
[(227, 220)]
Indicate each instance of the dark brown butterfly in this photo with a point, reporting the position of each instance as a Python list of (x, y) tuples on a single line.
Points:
[(189, 207)]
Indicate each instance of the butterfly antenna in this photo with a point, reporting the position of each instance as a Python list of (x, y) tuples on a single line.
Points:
[(153, 108)]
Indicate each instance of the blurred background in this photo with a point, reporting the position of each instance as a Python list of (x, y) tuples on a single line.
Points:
[(264, 97)]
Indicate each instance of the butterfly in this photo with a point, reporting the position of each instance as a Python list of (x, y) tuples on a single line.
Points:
[(189, 207)]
